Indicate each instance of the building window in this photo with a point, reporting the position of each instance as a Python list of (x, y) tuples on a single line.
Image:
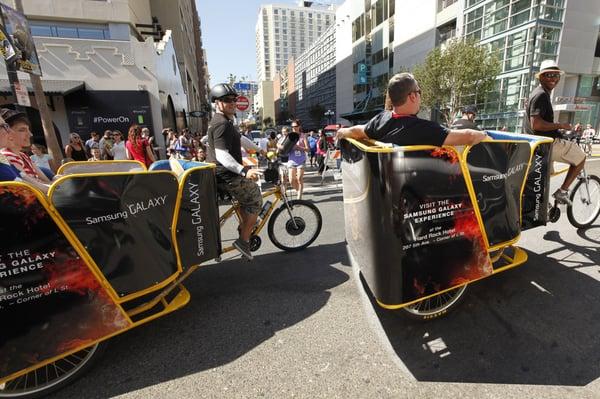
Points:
[(51, 29)]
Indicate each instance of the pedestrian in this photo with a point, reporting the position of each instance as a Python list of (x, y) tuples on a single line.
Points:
[(322, 148), (41, 158), (297, 159), (118, 150), (75, 149), (96, 155), (467, 120), (137, 147), (224, 150), (312, 144), (150, 137), (539, 120), (106, 143), (93, 141)]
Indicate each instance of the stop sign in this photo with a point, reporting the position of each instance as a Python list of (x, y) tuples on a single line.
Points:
[(242, 103)]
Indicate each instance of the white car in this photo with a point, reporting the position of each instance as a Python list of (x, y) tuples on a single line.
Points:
[(256, 136)]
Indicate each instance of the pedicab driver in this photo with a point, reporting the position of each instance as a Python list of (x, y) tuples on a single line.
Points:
[(224, 149), (540, 121), (402, 126)]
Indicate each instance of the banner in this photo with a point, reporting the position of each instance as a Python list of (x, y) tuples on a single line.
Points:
[(198, 232), (497, 172), (124, 221), (50, 301), (410, 223), (6, 48), (537, 187), (17, 28)]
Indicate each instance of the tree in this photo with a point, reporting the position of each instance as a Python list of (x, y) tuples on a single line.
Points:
[(231, 79), (316, 113), (283, 117), (463, 73)]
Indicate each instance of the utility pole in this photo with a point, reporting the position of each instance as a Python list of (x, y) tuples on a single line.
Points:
[(49, 133)]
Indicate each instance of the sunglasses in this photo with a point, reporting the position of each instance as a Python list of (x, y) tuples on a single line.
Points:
[(295, 125), (552, 75), (228, 100), (417, 91), (5, 126)]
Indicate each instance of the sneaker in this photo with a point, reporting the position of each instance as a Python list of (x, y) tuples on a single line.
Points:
[(244, 248), (562, 197)]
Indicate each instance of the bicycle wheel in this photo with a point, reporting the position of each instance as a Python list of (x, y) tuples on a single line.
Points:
[(435, 306), (297, 228), (584, 208), (53, 376)]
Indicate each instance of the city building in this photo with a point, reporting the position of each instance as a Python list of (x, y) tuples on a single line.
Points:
[(374, 40), (314, 83), (283, 32), (526, 32), (109, 64)]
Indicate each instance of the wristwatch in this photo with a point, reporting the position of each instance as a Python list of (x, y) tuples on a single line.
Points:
[(244, 171)]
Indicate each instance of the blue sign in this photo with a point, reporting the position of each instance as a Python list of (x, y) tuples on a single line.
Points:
[(241, 86), (362, 73)]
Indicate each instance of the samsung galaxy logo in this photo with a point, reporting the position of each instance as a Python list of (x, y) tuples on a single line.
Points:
[(115, 119), (501, 176)]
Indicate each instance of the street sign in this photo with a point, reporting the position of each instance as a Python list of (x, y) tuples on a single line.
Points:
[(242, 103), (22, 95), (362, 73)]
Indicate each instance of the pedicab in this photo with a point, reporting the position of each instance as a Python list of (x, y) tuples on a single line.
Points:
[(106, 251), (423, 222)]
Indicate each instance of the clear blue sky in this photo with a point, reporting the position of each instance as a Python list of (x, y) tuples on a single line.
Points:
[(228, 35)]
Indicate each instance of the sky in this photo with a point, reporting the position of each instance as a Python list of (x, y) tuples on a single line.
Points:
[(228, 35)]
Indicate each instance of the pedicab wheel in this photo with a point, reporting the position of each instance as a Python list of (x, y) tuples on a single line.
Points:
[(435, 306), (54, 376), (584, 208), (554, 214), (296, 228)]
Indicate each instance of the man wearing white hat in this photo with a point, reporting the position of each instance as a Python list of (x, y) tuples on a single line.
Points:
[(540, 121)]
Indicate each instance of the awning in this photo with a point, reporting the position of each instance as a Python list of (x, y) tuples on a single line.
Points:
[(358, 117), (63, 87)]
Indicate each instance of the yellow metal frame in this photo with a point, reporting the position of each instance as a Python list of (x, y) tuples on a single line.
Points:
[(235, 210), (87, 257), (66, 165)]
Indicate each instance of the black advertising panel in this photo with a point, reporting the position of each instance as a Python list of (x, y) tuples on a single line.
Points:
[(124, 221), (535, 195), (498, 172), (198, 232), (50, 301), (410, 223), (98, 111)]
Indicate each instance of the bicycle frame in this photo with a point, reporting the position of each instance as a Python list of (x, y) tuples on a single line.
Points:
[(278, 192)]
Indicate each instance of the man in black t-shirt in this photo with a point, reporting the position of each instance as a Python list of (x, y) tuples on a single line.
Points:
[(224, 150), (540, 121), (467, 121), (402, 126)]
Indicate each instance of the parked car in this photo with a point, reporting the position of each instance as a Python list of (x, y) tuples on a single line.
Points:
[(256, 136)]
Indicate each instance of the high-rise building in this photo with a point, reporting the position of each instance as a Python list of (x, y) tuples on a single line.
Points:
[(284, 31)]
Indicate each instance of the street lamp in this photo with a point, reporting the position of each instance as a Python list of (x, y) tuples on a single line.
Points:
[(329, 114)]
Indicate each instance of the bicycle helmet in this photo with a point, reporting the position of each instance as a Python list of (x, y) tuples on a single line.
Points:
[(222, 90)]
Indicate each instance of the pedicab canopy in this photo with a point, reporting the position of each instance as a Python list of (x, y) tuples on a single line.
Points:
[(75, 266), (421, 220)]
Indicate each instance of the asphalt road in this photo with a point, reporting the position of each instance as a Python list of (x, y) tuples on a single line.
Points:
[(303, 325)]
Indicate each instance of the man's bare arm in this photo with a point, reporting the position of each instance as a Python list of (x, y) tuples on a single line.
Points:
[(540, 125), (353, 132), (464, 137)]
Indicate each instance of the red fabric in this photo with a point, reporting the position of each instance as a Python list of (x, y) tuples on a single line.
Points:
[(398, 116), (138, 152), (21, 161)]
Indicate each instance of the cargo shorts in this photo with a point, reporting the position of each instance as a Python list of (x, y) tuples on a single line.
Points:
[(244, 191), (567, 152)]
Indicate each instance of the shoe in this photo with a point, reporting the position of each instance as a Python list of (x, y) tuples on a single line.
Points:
[(562, 197), (244, 248)]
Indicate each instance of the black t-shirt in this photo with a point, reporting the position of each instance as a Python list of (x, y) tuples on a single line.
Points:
[(461, 123), (223, 134), (405, 130), (539, 104)]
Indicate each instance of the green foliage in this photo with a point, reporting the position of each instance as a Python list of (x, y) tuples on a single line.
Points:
[(316, 113), (231, 79), (456, 76)]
